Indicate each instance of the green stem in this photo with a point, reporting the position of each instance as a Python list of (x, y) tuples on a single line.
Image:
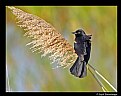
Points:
[(99, 82), (102, 78)]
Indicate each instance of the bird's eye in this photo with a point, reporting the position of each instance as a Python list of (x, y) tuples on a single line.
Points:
[(79, 32)]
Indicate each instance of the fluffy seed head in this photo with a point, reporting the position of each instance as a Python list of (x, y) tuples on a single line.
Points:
[(45, 38)]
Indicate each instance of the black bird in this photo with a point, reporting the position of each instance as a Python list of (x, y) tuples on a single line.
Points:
[(82, 47)]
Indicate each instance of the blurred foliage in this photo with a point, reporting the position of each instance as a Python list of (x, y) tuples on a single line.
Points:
[(29, 72)]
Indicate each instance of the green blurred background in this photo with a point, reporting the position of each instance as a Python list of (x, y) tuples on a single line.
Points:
[(27, 71)]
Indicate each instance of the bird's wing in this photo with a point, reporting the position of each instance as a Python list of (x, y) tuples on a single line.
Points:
[(45, 38)]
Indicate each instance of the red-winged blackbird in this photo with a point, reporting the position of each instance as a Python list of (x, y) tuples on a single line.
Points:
[(82, 46)]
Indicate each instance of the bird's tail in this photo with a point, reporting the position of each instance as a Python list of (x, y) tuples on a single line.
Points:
[(79, 68)]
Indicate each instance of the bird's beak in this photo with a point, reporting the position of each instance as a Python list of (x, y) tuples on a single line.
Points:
[(73, 32), (89, 35)]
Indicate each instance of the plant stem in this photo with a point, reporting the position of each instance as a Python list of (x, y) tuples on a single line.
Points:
[(103, 78), (8, 84), (99, 82)]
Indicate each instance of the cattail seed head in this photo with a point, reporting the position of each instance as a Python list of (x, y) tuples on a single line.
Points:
[(45, 38)]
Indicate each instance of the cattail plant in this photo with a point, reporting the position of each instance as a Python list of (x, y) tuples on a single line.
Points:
[(47, 40)]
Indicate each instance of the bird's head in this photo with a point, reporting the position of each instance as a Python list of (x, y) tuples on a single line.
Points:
[(81, 33)]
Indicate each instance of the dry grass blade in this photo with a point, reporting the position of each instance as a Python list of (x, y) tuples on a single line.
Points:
[(45, 38)]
